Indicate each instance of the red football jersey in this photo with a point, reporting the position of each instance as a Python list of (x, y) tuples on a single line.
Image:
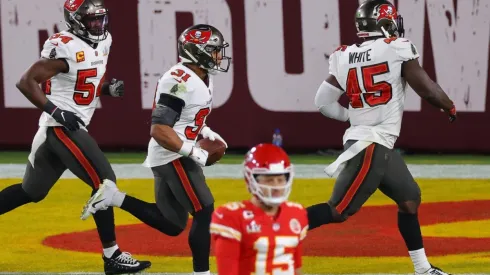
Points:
[(248, 241)]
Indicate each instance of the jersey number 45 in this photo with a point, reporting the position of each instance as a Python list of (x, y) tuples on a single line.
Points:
[(375, 93)]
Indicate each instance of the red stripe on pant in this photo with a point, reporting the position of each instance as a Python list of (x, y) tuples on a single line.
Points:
[(187, 185), (351, 192), (78, 155)]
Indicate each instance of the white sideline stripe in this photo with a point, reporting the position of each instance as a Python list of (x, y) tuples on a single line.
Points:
[(234, 171)]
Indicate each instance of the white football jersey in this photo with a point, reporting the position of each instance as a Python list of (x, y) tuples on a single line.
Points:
[(183, 83), (79, 89), (370, 74)]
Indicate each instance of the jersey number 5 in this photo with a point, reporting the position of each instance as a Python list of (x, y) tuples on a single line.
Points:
[(192, 132), (82, 87), (377, 93)]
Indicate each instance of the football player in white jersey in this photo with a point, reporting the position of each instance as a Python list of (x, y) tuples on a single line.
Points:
[(183, 100), (374, 75), (73, 65)]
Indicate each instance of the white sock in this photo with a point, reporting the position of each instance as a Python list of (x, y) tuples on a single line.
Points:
[(118, 198), (202, 273), (419, 260), (108, 252)]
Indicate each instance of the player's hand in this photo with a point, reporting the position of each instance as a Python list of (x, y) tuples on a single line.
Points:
[(206, 132), (452, 114), (116, 88), (68, 119), (199, 155)]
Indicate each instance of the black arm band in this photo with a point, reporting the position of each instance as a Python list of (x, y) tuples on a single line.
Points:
[(49, 107), (164, 115), (174, 103)]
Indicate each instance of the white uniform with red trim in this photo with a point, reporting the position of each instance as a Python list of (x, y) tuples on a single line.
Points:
[(268, 245), (78, 90), (370, 74), (183, 83)]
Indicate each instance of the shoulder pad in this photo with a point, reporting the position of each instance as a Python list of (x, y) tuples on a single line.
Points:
[(226, 221), (56, 47), (403, 47), (294, 205)]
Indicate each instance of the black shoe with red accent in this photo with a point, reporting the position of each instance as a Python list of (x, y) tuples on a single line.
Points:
[(123, 263)]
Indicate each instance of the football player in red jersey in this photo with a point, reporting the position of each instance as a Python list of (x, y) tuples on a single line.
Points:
[(262, 235)]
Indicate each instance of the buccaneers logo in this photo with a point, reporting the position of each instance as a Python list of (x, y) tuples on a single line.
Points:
[(73, 5), (386, 11), (197, 36)]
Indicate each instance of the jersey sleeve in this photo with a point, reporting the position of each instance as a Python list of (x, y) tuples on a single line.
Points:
[(302, 216), (56, 47), (298, 256), (225, 223), (332, 65), (299, 213), (172, 86), (109, 40), (404, 49), (227, 253)]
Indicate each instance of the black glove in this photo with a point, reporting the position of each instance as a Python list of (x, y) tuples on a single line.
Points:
[(66, 118), (116, 88)]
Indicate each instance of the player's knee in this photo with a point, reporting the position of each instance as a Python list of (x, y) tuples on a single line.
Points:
[(38, 196), (174, 227), (339, 217), (33, 195), (204, 215), (171, 227), (342, 218), (174, 230), (409, 207)]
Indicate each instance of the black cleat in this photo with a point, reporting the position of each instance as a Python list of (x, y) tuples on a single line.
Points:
[(123, 263)]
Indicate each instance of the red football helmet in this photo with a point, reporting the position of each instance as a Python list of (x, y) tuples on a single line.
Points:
[(268, 159)]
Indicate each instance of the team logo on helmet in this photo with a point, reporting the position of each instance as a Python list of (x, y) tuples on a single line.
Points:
[(197, 36), (386, 11), (73, 5)]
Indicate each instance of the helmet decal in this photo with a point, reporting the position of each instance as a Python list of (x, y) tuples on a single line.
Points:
[(197, 36), (386, 11), (204, 45), (73, 5)]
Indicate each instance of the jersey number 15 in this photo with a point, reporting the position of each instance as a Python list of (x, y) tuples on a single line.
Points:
[(376, 93)]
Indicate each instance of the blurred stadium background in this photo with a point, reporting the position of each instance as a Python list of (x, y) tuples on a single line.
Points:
[(280, 50)]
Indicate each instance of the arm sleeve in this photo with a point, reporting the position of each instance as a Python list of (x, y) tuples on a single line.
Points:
[(298, 254), (225, 229), (227, 253), (326, 100)]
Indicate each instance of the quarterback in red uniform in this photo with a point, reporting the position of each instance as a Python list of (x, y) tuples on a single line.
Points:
[(262, 235)]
